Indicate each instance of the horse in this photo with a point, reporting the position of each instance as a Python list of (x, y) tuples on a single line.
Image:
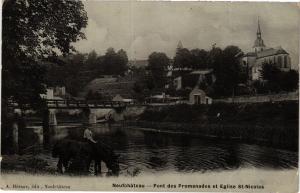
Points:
[(85, 153), (107, 155)]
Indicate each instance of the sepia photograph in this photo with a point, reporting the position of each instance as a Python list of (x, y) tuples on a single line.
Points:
[(149, 96)]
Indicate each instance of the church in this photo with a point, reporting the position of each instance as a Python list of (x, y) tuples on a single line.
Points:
[(253, 61)]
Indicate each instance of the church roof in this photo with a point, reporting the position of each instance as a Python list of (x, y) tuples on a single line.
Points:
[(271, 52), (249, 54)]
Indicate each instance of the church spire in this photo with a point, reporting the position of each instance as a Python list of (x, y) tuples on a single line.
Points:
[(179, 45), (259, 43), (258, 29)]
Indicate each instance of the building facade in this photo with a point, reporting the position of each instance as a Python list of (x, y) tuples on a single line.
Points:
[(253, 61), (198, 96)]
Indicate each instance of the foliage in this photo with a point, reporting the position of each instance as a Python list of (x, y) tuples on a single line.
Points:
[(115, 63), (275, 123), (227, 69), (143, 85), (189, 80), (270, 72), (158, 63), (33, 32), (199, 59), (183, 58), (225, 64), (290, 80), (276, 80), (79, 69), (93, 95)]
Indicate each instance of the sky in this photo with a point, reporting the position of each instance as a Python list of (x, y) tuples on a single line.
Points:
[(141, 28)]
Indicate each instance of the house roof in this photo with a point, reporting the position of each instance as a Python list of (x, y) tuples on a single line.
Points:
[(197, 90), (206, 71), (117, 98)]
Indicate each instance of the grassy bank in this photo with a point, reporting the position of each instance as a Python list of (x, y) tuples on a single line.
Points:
[(274, 124)]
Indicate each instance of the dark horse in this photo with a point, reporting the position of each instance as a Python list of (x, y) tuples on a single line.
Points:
[(84, 153)]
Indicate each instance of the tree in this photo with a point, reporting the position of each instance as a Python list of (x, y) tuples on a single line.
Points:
[(277, 80), (272, 75), (93, 95), (91, 62), (270, 72), (157, 64), (227, 69), (33, 32), (123, 61), (73, 69), (290, 80), (199, 59), (115, 63), (183, 58)]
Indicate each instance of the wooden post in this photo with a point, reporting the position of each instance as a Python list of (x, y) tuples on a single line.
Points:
[(52, 117), (86, 115), (92, 117), (15, 130), (46, 127), (15, 135)]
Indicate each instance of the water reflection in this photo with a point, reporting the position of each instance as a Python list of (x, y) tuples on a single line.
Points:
[(147, 151)]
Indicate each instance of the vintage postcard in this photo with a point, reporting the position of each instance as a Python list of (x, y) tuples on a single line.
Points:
[(149, 96)]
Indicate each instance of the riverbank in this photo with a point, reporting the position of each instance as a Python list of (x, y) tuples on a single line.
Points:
[(273, 124)]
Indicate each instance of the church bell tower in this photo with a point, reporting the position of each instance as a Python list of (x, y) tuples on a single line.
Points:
[(259, 42)]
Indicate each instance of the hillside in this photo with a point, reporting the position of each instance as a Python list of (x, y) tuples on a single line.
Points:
[(110, 86)]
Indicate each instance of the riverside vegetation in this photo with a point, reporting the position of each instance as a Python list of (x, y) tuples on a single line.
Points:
[(273, 124)]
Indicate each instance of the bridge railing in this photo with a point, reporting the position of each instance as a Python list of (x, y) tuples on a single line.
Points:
[(57, 103), (61, 103)]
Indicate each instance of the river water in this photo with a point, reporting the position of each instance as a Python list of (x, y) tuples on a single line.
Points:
[(144, 151)]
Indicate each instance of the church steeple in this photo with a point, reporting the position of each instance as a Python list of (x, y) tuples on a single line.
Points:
[(258, 30), (179, 45), (259, 42)]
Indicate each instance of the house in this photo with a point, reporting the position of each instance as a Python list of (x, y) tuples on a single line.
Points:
[(56, 93), (205, 75), (198, 96), (158, 98), (177, 82), (194, 78), (253, 61), (50, 95)]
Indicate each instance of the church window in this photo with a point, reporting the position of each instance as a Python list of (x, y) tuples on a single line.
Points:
[(285, 61)]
